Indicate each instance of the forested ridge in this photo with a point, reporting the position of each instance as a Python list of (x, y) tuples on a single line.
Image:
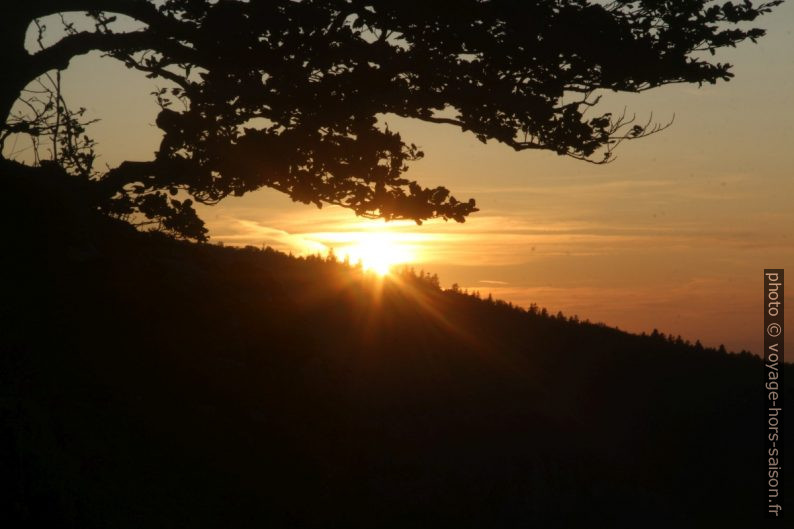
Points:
[(148, 382)]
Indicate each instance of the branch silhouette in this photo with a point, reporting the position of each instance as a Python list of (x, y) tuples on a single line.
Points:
[(288, 95)]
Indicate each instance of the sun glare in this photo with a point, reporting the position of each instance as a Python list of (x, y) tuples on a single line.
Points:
[(377, 252)]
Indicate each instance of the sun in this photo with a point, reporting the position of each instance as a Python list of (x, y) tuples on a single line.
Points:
[(377, 252)]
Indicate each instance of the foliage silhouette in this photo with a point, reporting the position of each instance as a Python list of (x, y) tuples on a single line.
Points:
[(287, 94)]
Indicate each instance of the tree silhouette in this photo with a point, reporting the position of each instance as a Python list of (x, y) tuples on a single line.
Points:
[(287, 94)]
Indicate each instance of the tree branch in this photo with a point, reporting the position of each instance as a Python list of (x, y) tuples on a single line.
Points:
[(58, 56)]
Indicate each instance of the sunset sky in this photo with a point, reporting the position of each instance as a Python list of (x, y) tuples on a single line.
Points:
[(673, 235)]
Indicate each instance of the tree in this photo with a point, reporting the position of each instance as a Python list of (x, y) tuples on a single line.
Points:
[(287, 94)]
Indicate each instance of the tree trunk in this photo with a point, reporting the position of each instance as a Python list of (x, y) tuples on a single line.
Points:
[(18, 67), (14, 73)]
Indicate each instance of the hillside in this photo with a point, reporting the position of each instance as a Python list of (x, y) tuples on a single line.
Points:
[(152, 383)]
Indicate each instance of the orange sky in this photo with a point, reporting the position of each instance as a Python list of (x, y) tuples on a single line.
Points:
[(674, 234)]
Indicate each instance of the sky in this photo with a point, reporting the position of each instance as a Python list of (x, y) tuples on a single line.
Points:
[(673, 235)]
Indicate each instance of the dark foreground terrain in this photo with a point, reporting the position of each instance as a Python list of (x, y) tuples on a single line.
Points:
[(150, 383)]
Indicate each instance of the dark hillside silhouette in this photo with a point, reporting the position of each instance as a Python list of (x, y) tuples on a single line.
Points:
[(152, 383)]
